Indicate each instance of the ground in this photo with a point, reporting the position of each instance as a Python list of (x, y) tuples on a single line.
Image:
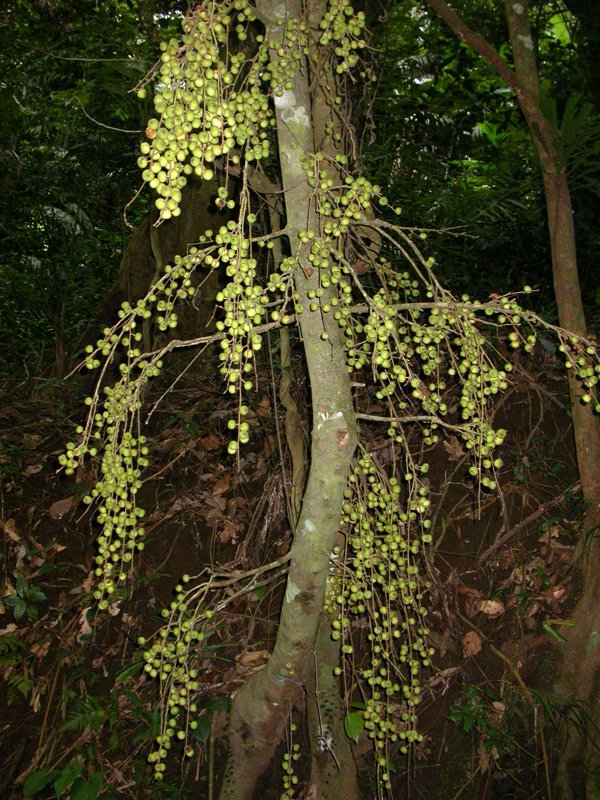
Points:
[(79, 714)]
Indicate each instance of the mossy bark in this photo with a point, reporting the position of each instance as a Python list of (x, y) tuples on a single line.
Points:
[(261, 708)]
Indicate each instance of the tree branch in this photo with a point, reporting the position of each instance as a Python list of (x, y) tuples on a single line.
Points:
[(479, 43)]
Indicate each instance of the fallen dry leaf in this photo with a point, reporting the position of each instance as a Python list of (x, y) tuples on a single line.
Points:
[(263, 408), (554, 595), (10, 530), (222, 485), (492, 608), (56, 548), (500, 708), (441, 641), (35, 701), (471, 644), (444, 677), (484, 759), (211, 442), (40, 649), (85, 586), (252, 658), (270, 446), (237, 506), (229, 532), (85, 629), (472, 600), (33, 469), (61, 507), (10, 628)]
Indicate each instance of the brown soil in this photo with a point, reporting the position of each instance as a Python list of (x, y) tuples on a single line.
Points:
[(69, 685)]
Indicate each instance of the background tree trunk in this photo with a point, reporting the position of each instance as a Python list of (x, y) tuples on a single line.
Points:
[(581, 654), (580, 670), (150, 249)]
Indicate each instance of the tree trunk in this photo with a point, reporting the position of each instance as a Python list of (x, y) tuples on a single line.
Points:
[(581, 654), (567, 291), (149, 250), (333, 770), (261, 708)]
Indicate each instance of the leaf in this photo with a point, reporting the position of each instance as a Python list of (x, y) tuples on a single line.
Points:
[(492, 608), (33, 469), (471, 644), (40, 649), (66, 776), (87, 790), (454, 448), (22, 683), (250, 658), (553, 633), (211, 442), (354, 725), (129, 670), (37, 781), (22, 584), (218, 703), (35, 595), (20, 607), (222, 485), (11, 531), (202, 731), (61, 507)]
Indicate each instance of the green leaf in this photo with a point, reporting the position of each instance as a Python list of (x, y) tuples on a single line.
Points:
[(20, 607), (218, 703), (35, 595), (66, 776), (558, 26), (22, 683), (354, 725), (22, 584), (32, 612), (553, 633), (37, 781), (202, 732), (129, 670), (87, 790)]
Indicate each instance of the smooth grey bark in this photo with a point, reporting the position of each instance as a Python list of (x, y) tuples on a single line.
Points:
[(262, 707), (333, 769)]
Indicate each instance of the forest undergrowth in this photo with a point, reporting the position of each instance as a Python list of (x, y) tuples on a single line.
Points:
[(80, 710)]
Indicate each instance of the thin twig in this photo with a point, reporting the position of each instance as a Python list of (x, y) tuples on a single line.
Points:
[(527, 521)]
